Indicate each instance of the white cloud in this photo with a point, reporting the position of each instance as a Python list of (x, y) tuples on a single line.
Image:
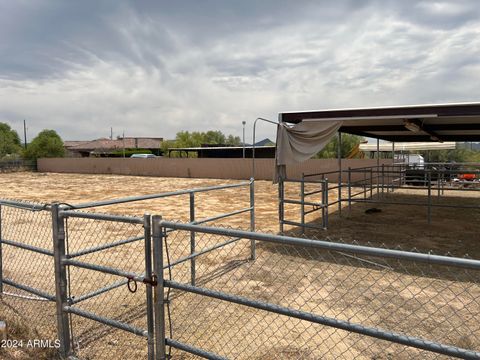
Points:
[(147, 75)]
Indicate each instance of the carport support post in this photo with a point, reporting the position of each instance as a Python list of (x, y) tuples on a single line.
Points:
[(364, 184), (429, 207), (302, 203), (253, 250), (339, 154), (1, 268), (371, 183), (281, 197), (383, 178), (349, 190), (325, 202), (192, 239), (63, 329), (159, 289), (393, 164)]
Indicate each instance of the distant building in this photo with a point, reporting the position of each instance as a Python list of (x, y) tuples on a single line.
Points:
[(263, 149), (105, 147)]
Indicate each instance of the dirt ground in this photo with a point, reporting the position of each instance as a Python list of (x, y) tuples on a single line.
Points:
[(424, 301), (454, 231)]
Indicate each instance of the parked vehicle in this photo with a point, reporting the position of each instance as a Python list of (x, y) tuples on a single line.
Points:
[(142, 156)]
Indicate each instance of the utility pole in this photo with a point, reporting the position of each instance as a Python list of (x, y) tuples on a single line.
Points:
[(243, 123), (111, 133), (123, 144), (25, 133)]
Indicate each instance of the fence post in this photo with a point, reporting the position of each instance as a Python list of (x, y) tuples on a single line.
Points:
[(160, 353), (1, 265), (302, 203), (429, 210), (147, 227), (326, 203), (371, 183), (280, 203), (253, 246), (63, 328), (383, 179), (349, 190), (192, 240), (364, 184)]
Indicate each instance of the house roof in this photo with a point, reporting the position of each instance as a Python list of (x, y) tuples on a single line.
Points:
[(107, 144), (408, 146), (420, 123)]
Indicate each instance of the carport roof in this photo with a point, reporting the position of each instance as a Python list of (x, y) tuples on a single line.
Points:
[(439, 122)]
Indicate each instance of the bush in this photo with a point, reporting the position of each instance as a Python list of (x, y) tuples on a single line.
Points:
[(47, 144), (9, 142)]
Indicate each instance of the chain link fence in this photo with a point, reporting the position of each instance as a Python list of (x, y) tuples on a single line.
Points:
[(429, 301), (219, 297), (27, 281), (105, 244)]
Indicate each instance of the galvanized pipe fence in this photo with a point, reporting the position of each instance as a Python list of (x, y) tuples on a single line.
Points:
[(162, 230), (226, 293), (370, 184)]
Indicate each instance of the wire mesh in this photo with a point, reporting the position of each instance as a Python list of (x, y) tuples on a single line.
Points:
[(91, 339), (28, 316), (437, 303)]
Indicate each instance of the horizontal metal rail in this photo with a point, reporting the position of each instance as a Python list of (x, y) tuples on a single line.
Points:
[(104, 269), (24, 205), (298, 202), (327, 321), (327, 245), (308, 181), (320, 174), (103, 320), (419, 204), (221, 216), (29, 289), (312, 211), (124, 281), (193, 350), (102, 217), (359, 193), (313, 192), (157, 196), (75, 300), (27, 247), (433, 188), (104, 247), (204, 251), (293, 223)]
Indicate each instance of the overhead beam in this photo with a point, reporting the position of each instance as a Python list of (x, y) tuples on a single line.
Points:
[(416, 125), (441, 110), (421, 138)]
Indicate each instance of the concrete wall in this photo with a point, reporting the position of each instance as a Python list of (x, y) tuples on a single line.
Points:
[(193, 167)]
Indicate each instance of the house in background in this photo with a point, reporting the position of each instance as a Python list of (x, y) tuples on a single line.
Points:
[(105, 147)]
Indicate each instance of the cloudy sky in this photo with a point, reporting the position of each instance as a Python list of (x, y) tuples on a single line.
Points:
[(158, 67)]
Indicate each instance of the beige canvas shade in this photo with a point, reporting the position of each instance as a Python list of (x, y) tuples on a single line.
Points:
[(301, 141)]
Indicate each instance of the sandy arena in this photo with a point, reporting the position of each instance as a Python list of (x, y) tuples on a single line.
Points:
[(412, 299)]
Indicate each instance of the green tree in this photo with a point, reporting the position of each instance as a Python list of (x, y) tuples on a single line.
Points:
[(348, 143), (233, 140), (9, 141), (457, 155), (47, 144)]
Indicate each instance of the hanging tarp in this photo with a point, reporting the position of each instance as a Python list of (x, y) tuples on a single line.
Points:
[(301, 141)]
